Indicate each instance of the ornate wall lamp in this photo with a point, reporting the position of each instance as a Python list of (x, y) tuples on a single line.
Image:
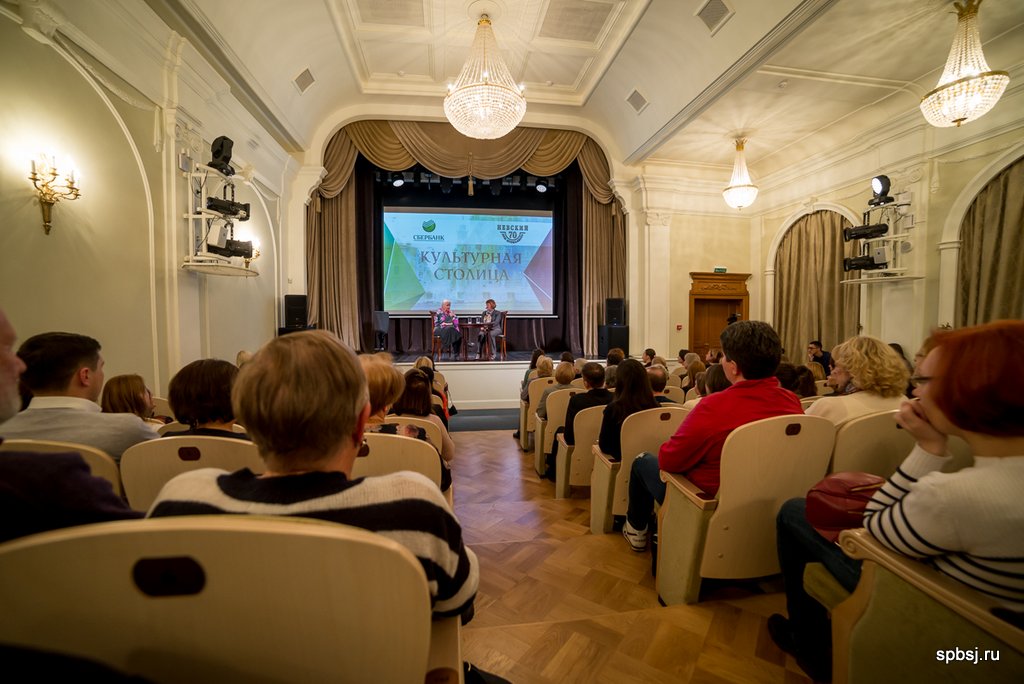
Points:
[(52, 186)]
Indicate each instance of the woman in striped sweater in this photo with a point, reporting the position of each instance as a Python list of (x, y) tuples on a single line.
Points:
[(968, 524)]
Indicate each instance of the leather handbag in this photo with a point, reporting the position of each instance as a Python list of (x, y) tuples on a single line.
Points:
[(837, 503)]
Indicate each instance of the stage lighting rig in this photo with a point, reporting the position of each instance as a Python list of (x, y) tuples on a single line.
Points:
[(862, 232), (228, 208), (220, 150)]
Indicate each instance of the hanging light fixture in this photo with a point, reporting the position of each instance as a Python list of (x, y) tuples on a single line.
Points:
[(741, 191), (484, 102), (967, 88)]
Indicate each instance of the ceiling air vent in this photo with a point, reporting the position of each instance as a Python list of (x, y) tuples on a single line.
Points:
[(304, 80), (637, 101), (714, 14)]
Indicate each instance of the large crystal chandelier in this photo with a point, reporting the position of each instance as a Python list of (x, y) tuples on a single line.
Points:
[(968, 88), (741, 191), (484, 102)]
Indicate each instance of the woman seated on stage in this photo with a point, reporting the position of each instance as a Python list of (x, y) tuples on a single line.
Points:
[(968, 524), (446, 326)]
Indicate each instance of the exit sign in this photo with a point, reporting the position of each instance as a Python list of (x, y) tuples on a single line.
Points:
[(720, 269)]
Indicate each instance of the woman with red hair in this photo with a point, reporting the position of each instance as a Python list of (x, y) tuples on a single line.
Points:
[(967, 524)]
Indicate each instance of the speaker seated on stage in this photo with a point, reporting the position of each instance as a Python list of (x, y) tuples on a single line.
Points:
[(446, 326), (494, 318)]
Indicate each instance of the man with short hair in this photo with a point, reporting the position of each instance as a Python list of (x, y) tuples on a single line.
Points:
[(658, 376), (818, 355), (752, 350), (648, 357), (40, 492), (614, 358), (64, 372), (596, 395)]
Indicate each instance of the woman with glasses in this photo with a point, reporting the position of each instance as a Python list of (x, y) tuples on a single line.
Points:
[(967, 524), (868, 376)]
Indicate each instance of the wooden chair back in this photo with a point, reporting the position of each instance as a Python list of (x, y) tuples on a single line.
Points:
[(556, 405), (643, 431), (537, 388), (578, 382), (586, 429), (222, 598), (807, 401), (170, 428), (391, 453), (148, 466), (433, 430), (692, 393), (162, 407), (100, 462), (675, 394), (871, 444)]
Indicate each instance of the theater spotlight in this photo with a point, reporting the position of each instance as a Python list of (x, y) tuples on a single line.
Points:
[(397, 180), (542, 185), (446, 184), (221, 152), (862, 232), (880, 187), (495, 187), (863, 263)]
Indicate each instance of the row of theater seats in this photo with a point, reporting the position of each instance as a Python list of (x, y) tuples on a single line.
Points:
[(192, 591), (732, 535)]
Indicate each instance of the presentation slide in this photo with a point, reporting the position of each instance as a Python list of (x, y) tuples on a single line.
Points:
[(467, 256)]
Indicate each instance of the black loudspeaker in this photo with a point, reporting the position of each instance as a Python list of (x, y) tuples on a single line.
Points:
[(381, 319), (611, 336), (295, 311), (615, 311)]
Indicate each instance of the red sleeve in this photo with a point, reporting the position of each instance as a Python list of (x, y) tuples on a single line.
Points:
[(687, 447)]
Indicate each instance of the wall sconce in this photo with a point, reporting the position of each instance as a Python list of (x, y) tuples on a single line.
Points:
[(52, 186), (248, 237)]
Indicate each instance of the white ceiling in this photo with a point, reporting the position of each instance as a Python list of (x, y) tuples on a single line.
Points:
[(796, 76)]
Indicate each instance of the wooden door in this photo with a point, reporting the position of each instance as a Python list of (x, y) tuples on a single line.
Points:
[(710, 316), (714, 297)]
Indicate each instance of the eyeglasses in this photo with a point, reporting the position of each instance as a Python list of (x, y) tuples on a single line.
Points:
[(920, 380)]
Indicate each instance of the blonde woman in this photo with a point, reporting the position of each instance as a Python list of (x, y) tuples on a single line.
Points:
[(868, 376)]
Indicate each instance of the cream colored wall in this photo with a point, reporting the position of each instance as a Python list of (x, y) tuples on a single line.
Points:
[(698, 244), (111, 266)]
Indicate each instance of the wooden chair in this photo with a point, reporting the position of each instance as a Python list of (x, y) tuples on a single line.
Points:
[(435, 341), (433, 430), (675, 394), (871, 444), (148, 466), (808, 401), (100, 462), (391, 453), (544, 441), (527, 410), (691, 393), (574, 464), (162, 407), (870, 643), (228, 598), (732, 535), (609, 481), (677, 377), (578, 382), (823, 389)]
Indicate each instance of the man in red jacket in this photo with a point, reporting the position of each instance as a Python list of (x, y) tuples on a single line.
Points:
[(752, 352)]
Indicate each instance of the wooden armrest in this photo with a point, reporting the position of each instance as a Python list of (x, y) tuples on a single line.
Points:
[(603, 458), (561, 440), (971, 605), (444, 663), (695, 494)]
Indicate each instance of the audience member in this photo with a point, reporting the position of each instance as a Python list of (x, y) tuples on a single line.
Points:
[(64, 372), (710, 381), (567, 356), (537, 353), (303, 398), (751, 355), (612, 360), (564, 375), (129, 394), (797, 379), (596, 395), (714, 355), (898, 348), (658, 377), (578, 365), (816, 353), (657, 360), (966, 524), (869, 377), (385, 384), (681, 358), (648, 357), (415, 401), (200, 397), (545, 368), (632, 394), (817, 371), (440, 407), (40, 492), (695, 367)]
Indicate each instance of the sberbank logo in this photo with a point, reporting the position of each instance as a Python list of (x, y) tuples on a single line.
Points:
[(429, 226)]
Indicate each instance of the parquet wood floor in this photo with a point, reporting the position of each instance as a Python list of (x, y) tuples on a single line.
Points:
[(558, 604)]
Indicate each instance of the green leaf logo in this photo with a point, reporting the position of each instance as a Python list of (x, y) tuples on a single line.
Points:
[(429, 226)]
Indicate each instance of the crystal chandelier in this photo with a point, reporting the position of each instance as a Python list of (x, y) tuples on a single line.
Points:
[(968, 88), (741, 191), (484, 102)]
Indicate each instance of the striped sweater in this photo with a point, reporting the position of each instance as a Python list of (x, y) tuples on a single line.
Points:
[(405, 507), (968, 524)]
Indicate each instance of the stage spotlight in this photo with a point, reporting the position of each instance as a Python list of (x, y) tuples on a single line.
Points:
[(221, 152), (542, 185), (880, 187), (864, 263), (446, 184), (398, 181), (495, 187), (862, 232)]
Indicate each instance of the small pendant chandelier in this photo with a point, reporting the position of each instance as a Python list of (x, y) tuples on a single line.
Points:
[(741, 191), (967, 88), (484, 102)]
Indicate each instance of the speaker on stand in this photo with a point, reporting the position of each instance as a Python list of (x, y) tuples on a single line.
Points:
[(295, 311), (615, 311), (381, 322)]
